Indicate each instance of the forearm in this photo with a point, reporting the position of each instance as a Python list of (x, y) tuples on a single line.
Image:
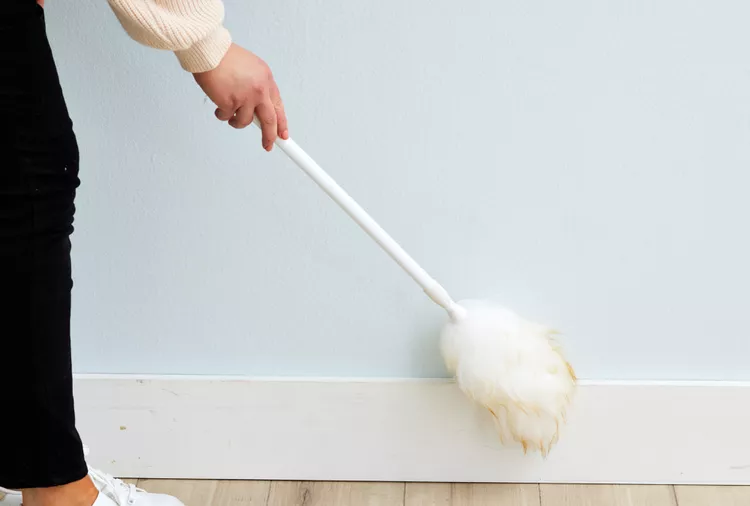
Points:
[(192, 29)]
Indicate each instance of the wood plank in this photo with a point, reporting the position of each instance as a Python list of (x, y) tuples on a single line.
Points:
[(288, 493), (241, 493), (688, 495), (190, 492), (328, 494), (336, 494), (428, 494), (291, 493), (494, 495), (375, 494), (609, 495)]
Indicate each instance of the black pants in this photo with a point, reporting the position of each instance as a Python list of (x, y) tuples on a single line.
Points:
[(39, 444)]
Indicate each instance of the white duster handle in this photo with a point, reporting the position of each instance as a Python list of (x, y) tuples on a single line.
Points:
[(431, 287)]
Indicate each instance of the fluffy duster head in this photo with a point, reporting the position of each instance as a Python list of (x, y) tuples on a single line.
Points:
[(513, 368)]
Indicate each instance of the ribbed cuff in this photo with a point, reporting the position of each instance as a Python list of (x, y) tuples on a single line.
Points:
[(206, 54)]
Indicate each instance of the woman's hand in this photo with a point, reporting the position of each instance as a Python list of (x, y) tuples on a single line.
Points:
[(242, 86)]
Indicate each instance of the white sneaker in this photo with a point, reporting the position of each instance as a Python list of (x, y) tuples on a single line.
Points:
[(116, 492), (112, 492), (9, 497)]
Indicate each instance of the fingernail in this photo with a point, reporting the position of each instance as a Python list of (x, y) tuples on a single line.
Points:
[(285, 134)]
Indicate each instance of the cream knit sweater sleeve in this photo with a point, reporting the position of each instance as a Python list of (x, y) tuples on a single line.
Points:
[(193, 29)]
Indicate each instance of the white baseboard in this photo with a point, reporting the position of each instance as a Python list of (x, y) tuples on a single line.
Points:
[(406, 430)]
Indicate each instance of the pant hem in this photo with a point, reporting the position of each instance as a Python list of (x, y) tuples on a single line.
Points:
[(54, 481)]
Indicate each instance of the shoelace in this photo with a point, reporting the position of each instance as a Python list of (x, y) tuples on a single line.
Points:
[(122, 493)]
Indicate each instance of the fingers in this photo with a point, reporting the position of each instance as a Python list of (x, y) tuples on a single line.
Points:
[(224, 114), (268, 122), (278, 105), (242, 117), (266, 105)]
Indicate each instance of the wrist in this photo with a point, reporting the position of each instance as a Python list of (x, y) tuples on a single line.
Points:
[(207, 53)]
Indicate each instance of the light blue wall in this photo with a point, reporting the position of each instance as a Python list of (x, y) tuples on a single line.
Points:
[(585, 162)]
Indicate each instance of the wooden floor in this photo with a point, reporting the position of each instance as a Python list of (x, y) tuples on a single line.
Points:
[(264, 493)]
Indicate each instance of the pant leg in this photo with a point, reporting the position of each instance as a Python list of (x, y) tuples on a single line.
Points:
[(39, 444)]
